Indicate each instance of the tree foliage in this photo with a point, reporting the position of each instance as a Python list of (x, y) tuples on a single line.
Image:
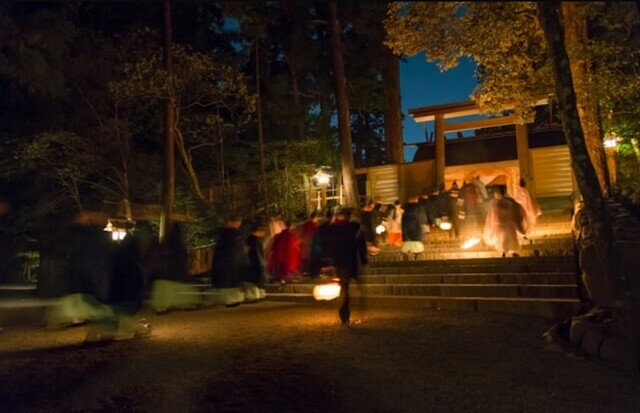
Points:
[(507, 42), (83, 87)]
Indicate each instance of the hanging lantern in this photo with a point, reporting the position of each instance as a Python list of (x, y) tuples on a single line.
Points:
[(327, 292)]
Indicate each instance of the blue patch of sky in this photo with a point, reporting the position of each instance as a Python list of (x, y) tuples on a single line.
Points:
[(423, 84)]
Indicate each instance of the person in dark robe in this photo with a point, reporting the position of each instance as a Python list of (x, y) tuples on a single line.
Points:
[(349, 254), (89, 258), (413, 221), (255, 251), (169, 288), (455, 205), (321, 246), (230, 260), (376, 218), (369, 227), (127, 286), (428, 202)]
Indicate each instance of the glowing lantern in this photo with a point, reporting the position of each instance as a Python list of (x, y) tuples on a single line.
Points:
[(611, 141), (380, 229), (108, 227), (470, 243), (327, 292), (445, 224), (118, 234)]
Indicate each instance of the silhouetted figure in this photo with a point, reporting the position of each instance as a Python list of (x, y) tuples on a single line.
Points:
[(349, 254), (255, 252), (321, 246), (230, 262), (169, 287), (255, 277), (368, 219), (413, 221)]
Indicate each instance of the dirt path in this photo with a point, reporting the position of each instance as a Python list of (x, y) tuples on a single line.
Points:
[(271, 357)]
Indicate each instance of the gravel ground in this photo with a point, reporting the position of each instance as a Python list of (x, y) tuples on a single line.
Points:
[(282, 357)]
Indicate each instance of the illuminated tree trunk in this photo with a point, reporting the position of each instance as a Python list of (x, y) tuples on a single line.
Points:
[(586, 177), (168, 183), (576, 38), (393, 113), (342, 102)]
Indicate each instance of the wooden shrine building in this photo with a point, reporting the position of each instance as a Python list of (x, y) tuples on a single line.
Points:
[(500, 152)]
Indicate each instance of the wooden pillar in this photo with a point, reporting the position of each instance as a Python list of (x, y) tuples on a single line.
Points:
[(522, 143), (439, 148)]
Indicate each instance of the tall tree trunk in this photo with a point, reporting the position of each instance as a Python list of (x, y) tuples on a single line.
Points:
[(342, 102), (394, 149), (263, 167), (168, 183), (586, 177), (576, 38)]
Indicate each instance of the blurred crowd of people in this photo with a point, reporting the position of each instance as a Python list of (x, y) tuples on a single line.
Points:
[(504, 220), (105, 281)]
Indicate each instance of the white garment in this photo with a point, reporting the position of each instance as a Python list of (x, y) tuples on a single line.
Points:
[(481, 189), (530, 205)]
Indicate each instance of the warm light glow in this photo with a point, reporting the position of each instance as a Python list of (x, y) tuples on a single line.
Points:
[(109, 227), (118, 234), (610, 143), (380, 229), (470, 243), (323, 176), (445, 225), (327, 292), (323, 179)]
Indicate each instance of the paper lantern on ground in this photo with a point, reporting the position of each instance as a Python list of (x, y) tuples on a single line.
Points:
[(445, 225), (327, 292)]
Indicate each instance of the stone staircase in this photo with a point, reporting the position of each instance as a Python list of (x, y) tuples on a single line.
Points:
[(542, 280), (550, 236)]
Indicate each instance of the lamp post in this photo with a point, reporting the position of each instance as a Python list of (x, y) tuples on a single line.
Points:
[(322, 179)]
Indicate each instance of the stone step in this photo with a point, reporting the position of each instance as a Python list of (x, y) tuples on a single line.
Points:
[(520, 262), (443, 290), (553, 309), (537, 231), (465, 254), (468, 269), (457, 247), (557, 278), (453, 253)]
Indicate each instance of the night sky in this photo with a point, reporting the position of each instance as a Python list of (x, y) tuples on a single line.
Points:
[(422, 84)]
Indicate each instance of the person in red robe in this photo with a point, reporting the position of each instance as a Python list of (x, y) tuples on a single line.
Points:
[(284, 257), (305, 233)]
